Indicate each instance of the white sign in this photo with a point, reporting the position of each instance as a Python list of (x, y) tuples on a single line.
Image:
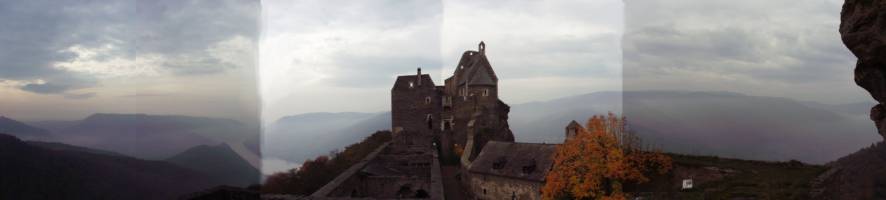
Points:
[(687, 184)]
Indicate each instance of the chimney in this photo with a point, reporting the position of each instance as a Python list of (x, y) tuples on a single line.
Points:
[(419, 76)]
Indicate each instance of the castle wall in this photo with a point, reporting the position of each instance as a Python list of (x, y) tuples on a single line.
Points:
[(485, 186)]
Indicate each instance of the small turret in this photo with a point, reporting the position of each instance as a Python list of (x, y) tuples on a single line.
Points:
[(482, 48), (573, 129)]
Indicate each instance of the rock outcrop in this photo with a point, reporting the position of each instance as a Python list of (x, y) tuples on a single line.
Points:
[(863, 30), (862, 175)]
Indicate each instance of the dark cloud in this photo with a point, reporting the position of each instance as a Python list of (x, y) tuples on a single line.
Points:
[(37, 34), (735, 45), (45, 88), (80, 96), (196, 65), (186, 27)]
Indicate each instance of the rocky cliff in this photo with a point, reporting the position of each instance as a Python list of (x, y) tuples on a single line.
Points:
[(863, 30), (862, 175)]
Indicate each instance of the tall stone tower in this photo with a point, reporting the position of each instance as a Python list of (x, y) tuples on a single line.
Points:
[(443, 112)]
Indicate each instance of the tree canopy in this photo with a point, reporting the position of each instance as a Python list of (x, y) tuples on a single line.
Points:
[(600, 160)]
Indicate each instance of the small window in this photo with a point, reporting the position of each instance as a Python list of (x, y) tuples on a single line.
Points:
[(429, 120), (499, 163), (486, 92), (411, 84), (427, 100)]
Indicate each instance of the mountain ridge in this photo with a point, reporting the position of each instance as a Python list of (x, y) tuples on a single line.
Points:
[(682, 121)]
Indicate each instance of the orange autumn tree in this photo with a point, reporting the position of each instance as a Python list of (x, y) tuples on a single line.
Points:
[(599, 161)]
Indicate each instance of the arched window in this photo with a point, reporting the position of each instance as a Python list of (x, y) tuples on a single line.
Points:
[(485, 92), (427, 100), (411, 84)]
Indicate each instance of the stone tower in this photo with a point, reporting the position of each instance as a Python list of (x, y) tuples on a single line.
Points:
[(443, 112)]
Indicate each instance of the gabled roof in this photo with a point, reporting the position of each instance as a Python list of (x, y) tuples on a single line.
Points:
[(528, 161), (474, 69), (403, 82)]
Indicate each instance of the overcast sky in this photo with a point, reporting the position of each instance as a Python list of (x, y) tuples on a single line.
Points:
[(69, 59), (760, 47), (332, 56)]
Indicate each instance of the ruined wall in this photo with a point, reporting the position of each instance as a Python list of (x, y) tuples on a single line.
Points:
[(382, 187), (485, 186)]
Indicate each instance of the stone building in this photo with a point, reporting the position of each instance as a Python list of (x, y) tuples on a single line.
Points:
[(507, 170), (431, 121), (443, 112)]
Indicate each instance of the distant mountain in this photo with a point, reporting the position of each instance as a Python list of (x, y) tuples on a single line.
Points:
[(152, 136), (300, 137), (33, 172), (858, 109), (709, 123), (219, 162), (66, 147), (546, 121), (22, 130), (54, 126)]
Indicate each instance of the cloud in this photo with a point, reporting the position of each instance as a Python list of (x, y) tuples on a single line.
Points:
[(69, 45), (317, 56), (80, 96), (560, 41), (36, 33), (760, 47), (186, 34), (318, 52)]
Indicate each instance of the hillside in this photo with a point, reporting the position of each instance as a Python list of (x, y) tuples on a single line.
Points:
[(285, 138), (22, 130), (318, 171), (219, 162), (860, 175), (723, 178), (31, 172), (151, 136)]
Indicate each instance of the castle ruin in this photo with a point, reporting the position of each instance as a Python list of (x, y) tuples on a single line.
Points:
[(461, 123)]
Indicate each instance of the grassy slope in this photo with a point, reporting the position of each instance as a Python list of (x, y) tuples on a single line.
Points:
[(751, 179)]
